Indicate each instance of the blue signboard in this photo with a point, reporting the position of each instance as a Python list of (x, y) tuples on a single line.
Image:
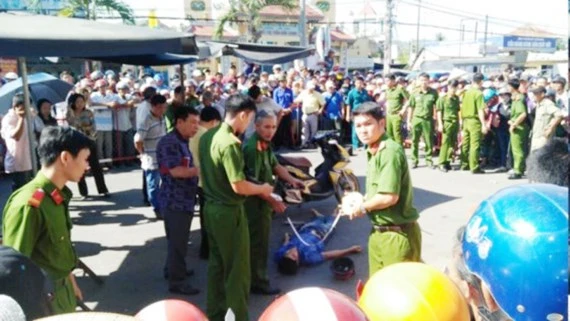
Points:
[(25, 4), (518, 43)]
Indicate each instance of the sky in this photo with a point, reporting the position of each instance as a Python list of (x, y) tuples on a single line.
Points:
[(550, 15)]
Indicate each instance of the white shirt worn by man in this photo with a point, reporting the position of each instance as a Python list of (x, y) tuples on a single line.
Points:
[(103, 114), (267, 104), (122, 114), (18, 158)]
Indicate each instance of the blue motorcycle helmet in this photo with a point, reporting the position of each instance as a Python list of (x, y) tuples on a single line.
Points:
[(488, 94), (516, 242)]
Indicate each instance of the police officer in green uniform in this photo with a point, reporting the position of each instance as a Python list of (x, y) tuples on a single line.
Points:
[(225, 187), (395, 236), (396, 97), (36, 219), (420, 118), (260, 165), (519, 129), (473, 118), (448, 124)]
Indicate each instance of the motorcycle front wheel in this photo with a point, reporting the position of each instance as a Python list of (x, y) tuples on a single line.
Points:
[(347, 182)]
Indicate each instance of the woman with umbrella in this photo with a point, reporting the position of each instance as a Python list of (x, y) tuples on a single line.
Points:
[(83, 120)]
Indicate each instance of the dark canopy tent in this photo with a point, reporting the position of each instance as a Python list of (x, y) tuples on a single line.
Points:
[(36, 35), (260, 54), (24, 35), (165, 59), (256, 53)]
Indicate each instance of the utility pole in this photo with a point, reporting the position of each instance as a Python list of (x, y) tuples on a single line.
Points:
[(485, 39), (476, 25), (388, 40), (418, 27), (303, 27)]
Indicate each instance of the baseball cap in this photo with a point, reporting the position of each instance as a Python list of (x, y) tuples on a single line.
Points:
[(11, 76), (25, 282), (539, 90), (559, 80)]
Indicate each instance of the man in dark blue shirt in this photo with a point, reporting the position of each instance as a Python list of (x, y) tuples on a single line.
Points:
[(333, 107), (310, 249), (283, 96), (177, 194)]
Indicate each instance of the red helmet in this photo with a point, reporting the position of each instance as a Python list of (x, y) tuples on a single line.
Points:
[(171, 310), (313, 304)]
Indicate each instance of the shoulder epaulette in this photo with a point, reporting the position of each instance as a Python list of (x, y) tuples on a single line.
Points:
[(37, 198)]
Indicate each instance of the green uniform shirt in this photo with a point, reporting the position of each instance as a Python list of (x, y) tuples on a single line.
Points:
[(356, 97), (471, 104), (518, 108), (221, 163), (259, 162), (39, 228), (395, 98), (449, 107), (388, 173), (192, 101), (423, 102), (169, 116)]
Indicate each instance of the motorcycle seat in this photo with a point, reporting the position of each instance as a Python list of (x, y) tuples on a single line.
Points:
[(300, 162)]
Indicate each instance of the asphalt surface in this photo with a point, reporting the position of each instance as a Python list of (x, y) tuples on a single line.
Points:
[(118, 239)]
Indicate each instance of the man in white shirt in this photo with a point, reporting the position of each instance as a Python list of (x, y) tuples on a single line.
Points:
[(18, 161), (262, 103), (122, 127), (102, 103)]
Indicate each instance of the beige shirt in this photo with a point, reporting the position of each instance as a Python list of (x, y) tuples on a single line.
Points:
[(311, 101), (545, 112), (195, 150)]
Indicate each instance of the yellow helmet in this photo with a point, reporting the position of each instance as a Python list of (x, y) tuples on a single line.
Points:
[(412, 291)]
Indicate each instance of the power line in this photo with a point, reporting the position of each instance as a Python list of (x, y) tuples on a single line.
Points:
[(475, 16)]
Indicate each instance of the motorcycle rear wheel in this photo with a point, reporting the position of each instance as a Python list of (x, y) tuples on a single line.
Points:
[(346, 183)]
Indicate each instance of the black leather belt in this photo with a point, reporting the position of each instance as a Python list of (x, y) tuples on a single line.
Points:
[(390, 228)]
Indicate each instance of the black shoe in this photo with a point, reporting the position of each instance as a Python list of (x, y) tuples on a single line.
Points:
[(515, 176), (146, 203), (464, 168), (185, 289), (448, 167), (188, 273), (414, 166), (443, 168), (158, 215), (478, 171), (265, 291), (106, 195), (502, 169)]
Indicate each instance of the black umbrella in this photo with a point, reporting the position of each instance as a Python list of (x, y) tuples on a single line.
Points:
[(41, 85)]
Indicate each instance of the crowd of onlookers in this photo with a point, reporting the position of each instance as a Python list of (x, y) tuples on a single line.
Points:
[(106, 106)]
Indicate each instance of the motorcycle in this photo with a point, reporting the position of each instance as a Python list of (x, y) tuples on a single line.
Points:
[(332, 176)]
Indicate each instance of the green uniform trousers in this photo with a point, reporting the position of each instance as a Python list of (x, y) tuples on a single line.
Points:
[(228, 264), (64, 300), (519, 142), (422, 127), (393, 247), (470, 144), (394, 127), (448, 141), (259, 223)]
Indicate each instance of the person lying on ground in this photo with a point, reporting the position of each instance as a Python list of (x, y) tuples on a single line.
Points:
[(310, 249)]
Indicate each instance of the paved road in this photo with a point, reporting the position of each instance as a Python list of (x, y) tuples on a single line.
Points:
[(119, 241)]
